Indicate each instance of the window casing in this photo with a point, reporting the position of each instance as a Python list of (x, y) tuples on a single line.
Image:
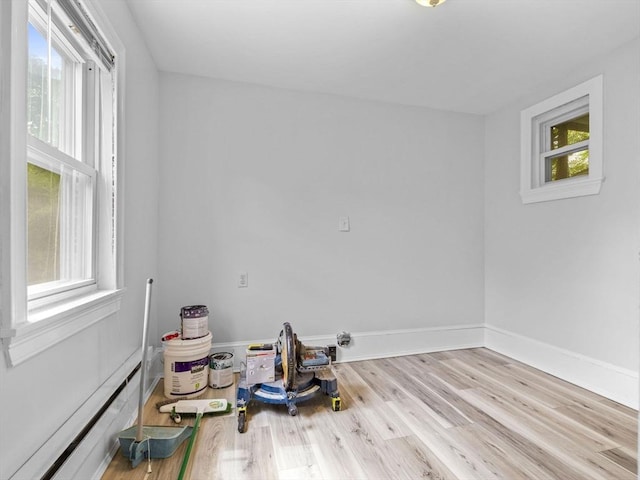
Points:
[(60, 268), (561, 145)]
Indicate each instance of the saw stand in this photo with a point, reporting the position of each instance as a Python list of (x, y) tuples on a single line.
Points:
[(300, 372)]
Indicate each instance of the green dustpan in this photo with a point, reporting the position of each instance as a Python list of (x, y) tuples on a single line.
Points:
[(157, 442)]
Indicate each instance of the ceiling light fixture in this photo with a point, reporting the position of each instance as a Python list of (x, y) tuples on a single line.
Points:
[(430, 3)]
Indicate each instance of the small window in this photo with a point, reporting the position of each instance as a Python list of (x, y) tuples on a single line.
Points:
[(566, 148), (562, 145)]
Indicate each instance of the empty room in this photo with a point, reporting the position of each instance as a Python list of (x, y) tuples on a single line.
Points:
[(319, 239)]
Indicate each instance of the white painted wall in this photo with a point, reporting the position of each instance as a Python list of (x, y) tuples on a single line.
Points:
[(39, 398), (255, 179), (566, 273)]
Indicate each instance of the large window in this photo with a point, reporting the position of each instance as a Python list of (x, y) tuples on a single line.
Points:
[(62, 94), (562, 145), (63, 168)]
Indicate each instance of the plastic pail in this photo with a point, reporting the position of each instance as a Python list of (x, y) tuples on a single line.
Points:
[(186, 366)]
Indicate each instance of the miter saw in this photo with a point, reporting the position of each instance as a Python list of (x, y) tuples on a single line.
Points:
[(286, 373)]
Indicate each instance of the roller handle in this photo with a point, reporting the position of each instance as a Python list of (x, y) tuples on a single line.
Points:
[(187, 453), (143, 365)]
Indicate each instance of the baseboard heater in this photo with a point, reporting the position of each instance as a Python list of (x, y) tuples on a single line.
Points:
[(50, 473)]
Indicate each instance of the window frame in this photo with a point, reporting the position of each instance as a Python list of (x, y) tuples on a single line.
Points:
[(68, 47), (585, 97), (27, 330), (44, 156)]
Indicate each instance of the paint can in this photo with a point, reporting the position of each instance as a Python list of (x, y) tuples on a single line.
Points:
[(195, 321), (186, 366), (221, 370)]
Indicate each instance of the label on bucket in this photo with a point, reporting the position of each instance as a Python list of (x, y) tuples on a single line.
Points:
[(195, 327), (194, 366), (220, 370), (220, 378), (195, 321), (189, 377)]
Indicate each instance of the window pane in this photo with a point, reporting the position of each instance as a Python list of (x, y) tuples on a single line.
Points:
[(43, 232), (45, 91), (567, 166), (570, 132), (59, 215)]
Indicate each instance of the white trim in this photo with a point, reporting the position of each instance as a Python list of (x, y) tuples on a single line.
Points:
[(613, 382), (13, 156), (532, 186), (379, 344), (574, 187), (57, 323), (116, 275)]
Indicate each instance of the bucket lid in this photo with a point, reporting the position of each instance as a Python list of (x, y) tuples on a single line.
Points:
[(194, 311), (179, 341), (222, 355)]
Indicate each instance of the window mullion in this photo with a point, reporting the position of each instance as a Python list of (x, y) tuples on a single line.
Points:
[(48, 157), (90, 132), (66, 223), (49, 97), (567, 149)]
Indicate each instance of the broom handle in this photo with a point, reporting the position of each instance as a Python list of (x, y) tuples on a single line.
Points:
[(192, 439), (143, 367)]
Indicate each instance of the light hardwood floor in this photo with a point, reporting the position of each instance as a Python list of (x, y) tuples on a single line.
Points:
[(465, 415)]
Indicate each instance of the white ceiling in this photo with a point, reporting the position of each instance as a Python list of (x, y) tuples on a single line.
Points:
[(465, 55)]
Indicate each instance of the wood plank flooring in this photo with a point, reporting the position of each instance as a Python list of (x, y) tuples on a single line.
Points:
[(458, 415)]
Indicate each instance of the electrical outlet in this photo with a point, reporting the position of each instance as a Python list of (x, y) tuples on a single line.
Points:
[(343, 224), (243, 280)]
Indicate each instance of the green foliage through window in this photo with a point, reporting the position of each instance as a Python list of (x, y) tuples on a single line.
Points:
[(564, 134), (43, 217)]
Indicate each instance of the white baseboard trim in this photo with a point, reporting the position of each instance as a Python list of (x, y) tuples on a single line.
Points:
[(616, 383), (380, 344)]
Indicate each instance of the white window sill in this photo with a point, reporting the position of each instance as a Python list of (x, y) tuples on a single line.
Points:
[(52, 324), (560, 189)]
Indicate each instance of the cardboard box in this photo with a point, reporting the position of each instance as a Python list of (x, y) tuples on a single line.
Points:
[(261, 366)]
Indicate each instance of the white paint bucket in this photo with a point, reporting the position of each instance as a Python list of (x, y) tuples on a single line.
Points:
[(195, 321), (186, 366), (221, 370)]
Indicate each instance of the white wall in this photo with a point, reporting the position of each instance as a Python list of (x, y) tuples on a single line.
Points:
[(564, 275), (255, 179), (39, 398)]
